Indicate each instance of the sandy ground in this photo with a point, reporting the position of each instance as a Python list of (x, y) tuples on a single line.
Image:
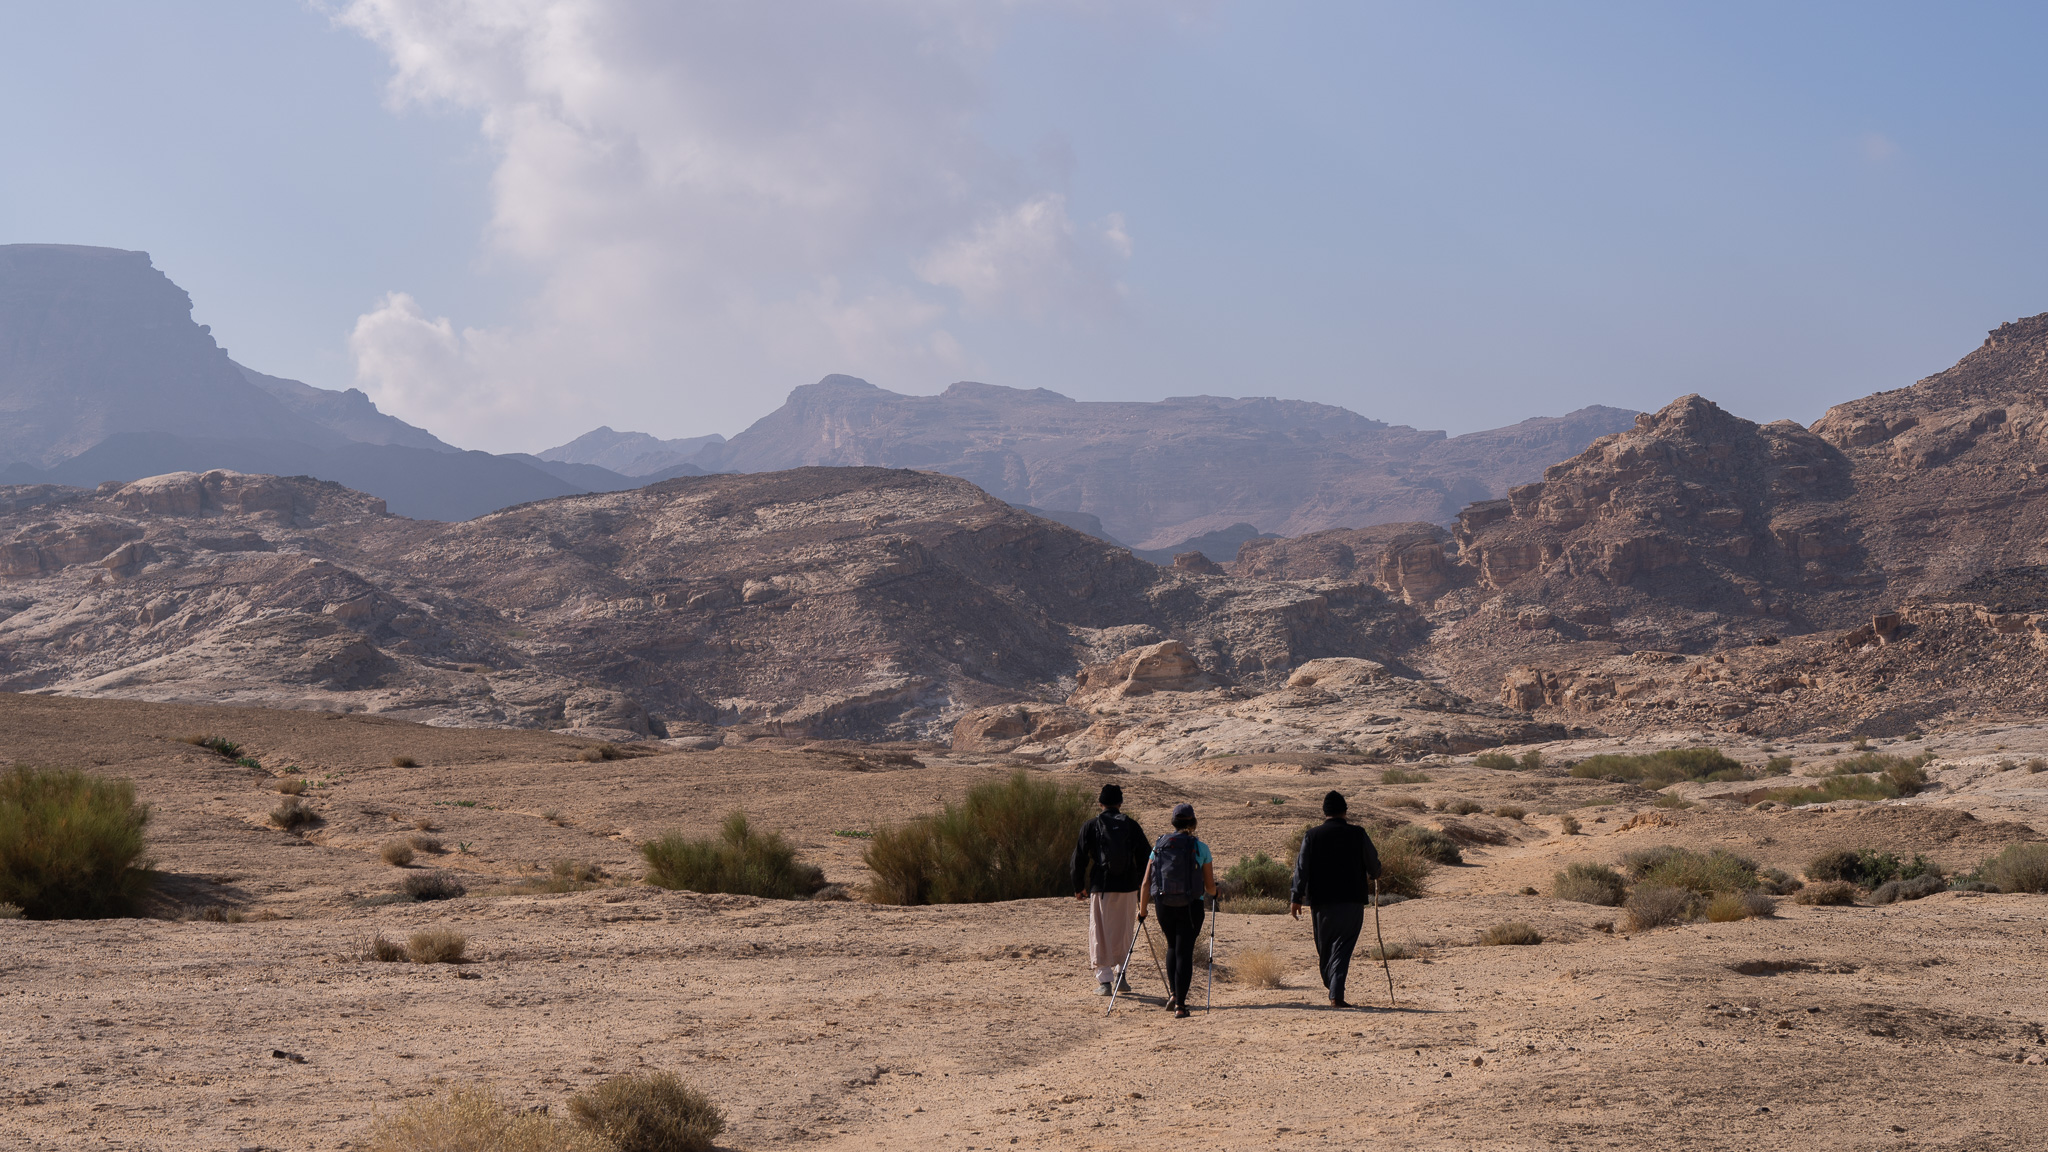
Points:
[(848, 1025)]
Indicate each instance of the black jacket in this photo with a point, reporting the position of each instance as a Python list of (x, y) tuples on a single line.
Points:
[(1337, 862), (1110, 854)]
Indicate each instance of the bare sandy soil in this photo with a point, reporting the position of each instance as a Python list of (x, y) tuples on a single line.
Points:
[(848, 1025)]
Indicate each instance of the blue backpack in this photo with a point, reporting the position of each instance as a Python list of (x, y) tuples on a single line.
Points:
[(1176, 877)]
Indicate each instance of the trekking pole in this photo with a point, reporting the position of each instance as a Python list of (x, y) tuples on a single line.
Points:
[(1388, 968), (1209, 998), (1158, 969), (1118, 983)]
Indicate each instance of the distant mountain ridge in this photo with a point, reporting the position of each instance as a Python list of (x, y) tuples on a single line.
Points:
[(1160, 474)]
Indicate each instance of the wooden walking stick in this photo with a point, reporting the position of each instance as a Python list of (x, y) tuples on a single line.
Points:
[(1389, 968)]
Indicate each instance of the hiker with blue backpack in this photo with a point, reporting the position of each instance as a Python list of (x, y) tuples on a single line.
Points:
[(1109, 861), (1180, 875)]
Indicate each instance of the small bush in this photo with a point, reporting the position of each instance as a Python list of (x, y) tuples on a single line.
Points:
[(1867, 867), (1511, 932), (424, 824), (1403, 776), (566, 876), (1254, 905), (1671, 800), (1589, 884), (404, 762), (1830, 892), (1918, 888), (1568, 824), (1532, 761), (436, 946), (1438, 847), (2017, 868), (1462, 807), (739, 860), (1703, 872), (293, 814), (1758, 905), (426, 844), (1414, 802), (1006, 841), (292, 785), (554, 816), (71, 845), (2037, 764), (1511, 812), (432, 886), (473, 1119), (600, 753), (1260, 967), (222, 914), (396, 852), (1726, 907), (1499, 761), (1659, 769), (385, 950), (1778, 766), (226, 749), (1655, 905), (1390, 952), (649, 1112), (1777, 882), (10, 912), (1259, 875), (1404, 868)]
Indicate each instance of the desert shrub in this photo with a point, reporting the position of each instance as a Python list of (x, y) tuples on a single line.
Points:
[(432, 886), (404, 762), (1500, 761), (1403, 776), (1462, 807), (226, 749), (1918, 888), (1394, 951), (472, 1119), (1259, 875), (554, 816), (1260, 967), (1511, 932), (1438, 847), (1778, 766), (1414, 802), (738, 860), (567, 876), (1759, 905), (222, 914), (1671, 800), (426, 844), (1568, 824), (1655, 905), (1726, 907), (436, 946), (2037, 764), (1532, 761), (649, 1112), (2017, 868), (292, 785), (1404, 868), (1777, 882), (1827, 892), (423, 824), (1703, 872), (1007, 840), (396, 852), (293, 814), (1658, 769), (1867, 867), (71, 845), (1254, 905), (10, 911), (1511, 811), (1589, 884), (385, 950)]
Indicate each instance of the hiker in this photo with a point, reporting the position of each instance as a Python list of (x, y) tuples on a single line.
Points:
[(1181, 871), (1333, 877), (1109, 860)]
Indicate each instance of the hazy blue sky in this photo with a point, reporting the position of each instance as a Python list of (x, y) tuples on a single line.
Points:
[(512, 220)]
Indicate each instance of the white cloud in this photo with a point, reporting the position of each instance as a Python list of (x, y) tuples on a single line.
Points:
[(720, 201)]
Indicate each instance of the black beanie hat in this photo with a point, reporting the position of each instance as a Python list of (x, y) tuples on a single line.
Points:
[(1111, 796), (1334, 804)]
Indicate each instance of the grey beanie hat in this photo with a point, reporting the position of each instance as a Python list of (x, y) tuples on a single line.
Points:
[(1183, 815)]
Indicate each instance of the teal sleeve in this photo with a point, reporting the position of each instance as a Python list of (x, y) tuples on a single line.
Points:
[(1202, 854)]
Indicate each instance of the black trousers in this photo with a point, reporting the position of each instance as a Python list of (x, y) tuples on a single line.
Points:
[(1337, 927), (1183, 929)]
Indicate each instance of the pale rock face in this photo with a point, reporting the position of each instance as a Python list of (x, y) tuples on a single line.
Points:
[(1167, 666)]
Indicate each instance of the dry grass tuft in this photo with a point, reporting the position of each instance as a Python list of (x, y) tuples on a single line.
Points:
[(1403, 776), (1254, 905), (1589, 884), (384, 949), (1568, 824), (1460, 807), (473, 1119), (404, 762), (1415, 802), (424, 824), (1391, 952), (1511, 932), (1655, 905), (1260, 967), (436, 946), (397, 853), (1832, 892), (1511, 811), (293, 814), (426, 844), (292, 785), (432, 886), (649, 1112)]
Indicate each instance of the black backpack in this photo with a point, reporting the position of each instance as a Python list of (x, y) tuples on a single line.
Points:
[(1119, 852), (1176, 877)]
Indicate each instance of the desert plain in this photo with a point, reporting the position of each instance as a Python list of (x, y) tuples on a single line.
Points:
[(243, 1013)]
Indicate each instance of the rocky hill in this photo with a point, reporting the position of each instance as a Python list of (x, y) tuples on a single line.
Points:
[(1160, 474)]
